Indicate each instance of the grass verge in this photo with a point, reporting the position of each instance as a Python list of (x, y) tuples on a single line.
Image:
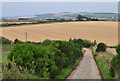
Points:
[(66, 71), (103, 60), (5, 51)]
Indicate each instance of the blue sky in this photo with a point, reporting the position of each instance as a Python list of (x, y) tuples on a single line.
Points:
[(11, 9), (60, 0)]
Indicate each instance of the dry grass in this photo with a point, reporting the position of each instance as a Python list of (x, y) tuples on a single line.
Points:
[(102, 31)]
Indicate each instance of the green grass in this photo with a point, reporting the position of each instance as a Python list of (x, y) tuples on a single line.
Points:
[(66, 71), (103, 60), (4, 55), (5, 51), (101, 15), (91, 48), (105, 71)]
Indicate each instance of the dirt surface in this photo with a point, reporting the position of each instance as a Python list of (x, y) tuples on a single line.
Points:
[(87, 68), (111, 50), (102, 31)]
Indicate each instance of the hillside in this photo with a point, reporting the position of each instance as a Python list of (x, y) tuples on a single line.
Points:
[(70, 15)]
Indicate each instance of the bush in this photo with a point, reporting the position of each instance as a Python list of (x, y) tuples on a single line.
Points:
[(39, 58), (86, 43), (80, 42), (114, 67), (45, 59), (101, 47), (17, 41), (11, 71), (5, 41), (46, 42), (70, 51)]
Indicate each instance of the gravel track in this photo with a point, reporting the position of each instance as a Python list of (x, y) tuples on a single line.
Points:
[(87, 68)]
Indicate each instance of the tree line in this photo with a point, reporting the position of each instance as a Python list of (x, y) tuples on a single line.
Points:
[(79, 18)]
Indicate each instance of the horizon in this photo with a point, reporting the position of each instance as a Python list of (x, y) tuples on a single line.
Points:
[(58, 13), (14, 9)]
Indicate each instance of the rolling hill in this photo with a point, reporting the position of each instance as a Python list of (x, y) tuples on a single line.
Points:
[(70, 15)]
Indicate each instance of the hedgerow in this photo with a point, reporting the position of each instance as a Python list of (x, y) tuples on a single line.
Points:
[(4, 40), (46, 59)]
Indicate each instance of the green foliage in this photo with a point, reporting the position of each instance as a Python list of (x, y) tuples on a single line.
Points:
[(17, 41), (115, 67), (80, 17), (86, 43), (39, 58), (101, 47), (81, 43), (12, 71), (70, 50), (46, 59), (4, 40), (105, 70), (46, 42), (83, 18)]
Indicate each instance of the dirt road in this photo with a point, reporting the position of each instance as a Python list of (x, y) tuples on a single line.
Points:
[(87, 68)]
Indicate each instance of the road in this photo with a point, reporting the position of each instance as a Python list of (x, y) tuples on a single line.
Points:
[(87, 68)]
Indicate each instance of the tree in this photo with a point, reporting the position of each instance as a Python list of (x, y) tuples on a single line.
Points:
[(80, 17), (101, 47), (17, 41)]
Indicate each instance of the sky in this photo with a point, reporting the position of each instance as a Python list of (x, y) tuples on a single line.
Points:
[(60, 0), (12, 9)]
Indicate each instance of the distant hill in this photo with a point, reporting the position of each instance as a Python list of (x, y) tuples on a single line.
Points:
[(70, 15)]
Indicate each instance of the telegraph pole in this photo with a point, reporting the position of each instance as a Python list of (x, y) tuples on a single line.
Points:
[(26, 35)]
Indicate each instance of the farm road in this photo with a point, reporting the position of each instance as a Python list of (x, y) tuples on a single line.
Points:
[(87, 68)]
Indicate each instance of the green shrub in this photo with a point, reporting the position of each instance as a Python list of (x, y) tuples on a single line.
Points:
[(17, 41), (46, 59), (86, 43), (71, 52), (46, 42), (5, 41), (80, 42), (114, 67), (101, 47), (11, 71), (39, 58)]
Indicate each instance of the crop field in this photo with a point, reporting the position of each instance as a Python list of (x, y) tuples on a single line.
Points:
[(101, 31)]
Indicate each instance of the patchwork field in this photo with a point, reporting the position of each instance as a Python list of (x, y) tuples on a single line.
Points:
[(102, 31)]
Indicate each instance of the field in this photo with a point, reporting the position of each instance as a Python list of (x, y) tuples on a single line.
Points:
[(102, 31)]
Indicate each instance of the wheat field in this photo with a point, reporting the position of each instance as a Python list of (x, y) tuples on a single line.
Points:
[(101, 31)]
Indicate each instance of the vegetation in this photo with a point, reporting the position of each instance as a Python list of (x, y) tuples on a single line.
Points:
[(10, 70), (101, 47), (103, 60), (115, 67), (4, 41), (35, 22), (44, 60), (25, 21), (80, 42), (83, 18), (108, 64)]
